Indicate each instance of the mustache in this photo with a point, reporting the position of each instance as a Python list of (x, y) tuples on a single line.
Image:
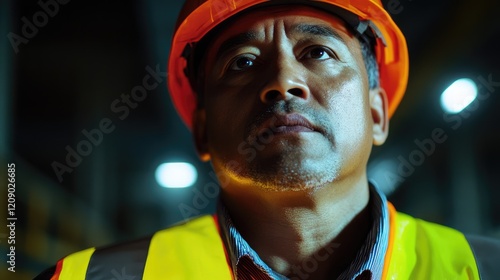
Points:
[(284, 107)]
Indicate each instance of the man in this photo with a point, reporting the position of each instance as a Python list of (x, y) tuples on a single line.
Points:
[(286, 99)]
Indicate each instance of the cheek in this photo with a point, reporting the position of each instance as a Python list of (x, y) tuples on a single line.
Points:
[(350, 113), (225, 117)]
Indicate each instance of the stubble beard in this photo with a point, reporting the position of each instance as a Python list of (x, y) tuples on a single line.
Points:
[(294, 167), (289, 174)]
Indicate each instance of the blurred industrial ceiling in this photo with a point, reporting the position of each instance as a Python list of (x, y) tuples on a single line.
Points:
[(71, 75)]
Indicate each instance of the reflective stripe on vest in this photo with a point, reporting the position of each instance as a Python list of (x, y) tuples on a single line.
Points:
[(194, 250)]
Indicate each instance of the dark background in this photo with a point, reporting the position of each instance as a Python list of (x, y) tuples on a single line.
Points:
[(65, 77)]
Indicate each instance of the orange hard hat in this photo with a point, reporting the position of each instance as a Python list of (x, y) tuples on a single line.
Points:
[(198, 17)]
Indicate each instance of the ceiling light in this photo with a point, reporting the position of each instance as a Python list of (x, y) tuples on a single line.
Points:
[(176, 175), (458, 96)]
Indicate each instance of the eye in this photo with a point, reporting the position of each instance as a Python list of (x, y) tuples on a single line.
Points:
[(320, 53), (241, 63)]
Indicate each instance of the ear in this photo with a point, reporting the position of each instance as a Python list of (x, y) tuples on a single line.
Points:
[(200, 134), (379, 110)]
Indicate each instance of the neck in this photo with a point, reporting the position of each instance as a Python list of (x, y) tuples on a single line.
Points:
[(288, 230)]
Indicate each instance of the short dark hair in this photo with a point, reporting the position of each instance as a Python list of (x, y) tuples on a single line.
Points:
[(368, 52)]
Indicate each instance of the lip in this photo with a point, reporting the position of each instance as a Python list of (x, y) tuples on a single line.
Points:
[(286, 124)]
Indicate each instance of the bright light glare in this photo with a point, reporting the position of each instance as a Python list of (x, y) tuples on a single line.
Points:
[(458, 96), (176, 175)]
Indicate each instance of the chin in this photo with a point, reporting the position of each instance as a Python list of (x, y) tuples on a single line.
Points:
[(306, 175)]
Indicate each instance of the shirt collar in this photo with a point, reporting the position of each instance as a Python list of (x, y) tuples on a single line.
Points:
[(368, 261)]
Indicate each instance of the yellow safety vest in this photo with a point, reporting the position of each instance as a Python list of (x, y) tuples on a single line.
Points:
[(195, 250), (422, 250)]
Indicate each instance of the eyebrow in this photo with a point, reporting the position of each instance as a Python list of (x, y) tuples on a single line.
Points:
[(236, 40), (310, 29)]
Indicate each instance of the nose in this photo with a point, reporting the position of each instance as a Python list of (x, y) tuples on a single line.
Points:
[(286, 81)]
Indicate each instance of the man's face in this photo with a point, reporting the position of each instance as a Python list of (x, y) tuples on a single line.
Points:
[(287, 105)]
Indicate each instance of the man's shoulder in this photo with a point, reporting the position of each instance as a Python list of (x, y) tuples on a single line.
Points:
[(191, 223), (452, 244), (415, 226), (487, 254), (195, 224), (135, 249)]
